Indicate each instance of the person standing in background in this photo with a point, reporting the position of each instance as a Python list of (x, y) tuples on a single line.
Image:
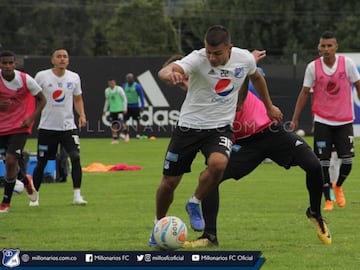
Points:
[(135, 97), (331, 77), (62, 89), (21, 102), (116, 104)]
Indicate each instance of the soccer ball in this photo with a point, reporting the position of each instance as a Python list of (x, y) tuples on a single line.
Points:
[(19, 187), (300, 132), (170, 233)]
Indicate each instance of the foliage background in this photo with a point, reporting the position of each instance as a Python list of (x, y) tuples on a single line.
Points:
[(164, 27)]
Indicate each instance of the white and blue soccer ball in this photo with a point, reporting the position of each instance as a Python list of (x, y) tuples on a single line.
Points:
[(170, 233), (300, 132), (19, 187)]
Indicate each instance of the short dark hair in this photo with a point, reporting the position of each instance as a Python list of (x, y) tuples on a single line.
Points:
[(173, 58), (327, 35), (7, 53), (216, 35), (58, 49)]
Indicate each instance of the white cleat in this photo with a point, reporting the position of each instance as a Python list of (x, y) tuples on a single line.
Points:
[(30, 189), (36, 201), (79, 201)]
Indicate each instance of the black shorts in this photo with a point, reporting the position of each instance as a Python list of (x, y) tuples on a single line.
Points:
[(12, 143), (133, 112), (328, 137), (283, 147), (116, 117), (49, 141), (185, 143)]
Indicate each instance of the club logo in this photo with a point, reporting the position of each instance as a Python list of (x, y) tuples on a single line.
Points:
[(58, 96), (11, 257), (332, 88)]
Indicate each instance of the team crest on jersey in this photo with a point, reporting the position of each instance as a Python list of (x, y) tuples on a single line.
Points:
[(69, 85), (58, 95), (239, 72), (224, 87), (11, 257), (332, 88)]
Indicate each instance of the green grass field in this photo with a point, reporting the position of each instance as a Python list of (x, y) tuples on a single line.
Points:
[(264, 211)]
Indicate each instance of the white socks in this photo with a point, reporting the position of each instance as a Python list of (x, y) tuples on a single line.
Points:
[(193, 199), (77, 193)]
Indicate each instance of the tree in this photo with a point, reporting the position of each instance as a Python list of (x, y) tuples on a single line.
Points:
[(141, 28), (164, 27), (10, 21)]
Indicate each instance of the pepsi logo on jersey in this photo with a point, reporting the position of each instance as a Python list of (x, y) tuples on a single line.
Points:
[(224, 87), (58, 95)]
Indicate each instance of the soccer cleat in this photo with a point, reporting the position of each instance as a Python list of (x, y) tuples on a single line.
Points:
[(205, 240), (36, 202), (152, 242), (115, 142), (79, 201), (4, 207), (329, 205), (196, 219), (339, 195), (320, 226), (30, 189)]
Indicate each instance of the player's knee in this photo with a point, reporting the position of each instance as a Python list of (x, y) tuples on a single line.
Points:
[(74, 156), (218, 166), (169, 183), (12, 160)]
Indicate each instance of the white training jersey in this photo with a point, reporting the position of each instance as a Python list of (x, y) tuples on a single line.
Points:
[(17, 83), (59, 91), (212, 94)]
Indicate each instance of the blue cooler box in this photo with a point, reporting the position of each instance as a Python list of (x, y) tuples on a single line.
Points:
[(2, 168), (50, 168)]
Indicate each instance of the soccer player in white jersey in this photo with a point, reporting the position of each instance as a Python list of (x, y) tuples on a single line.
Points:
[(21, 101), (256, 137), (63, 92), (331, 77), (205, 122)]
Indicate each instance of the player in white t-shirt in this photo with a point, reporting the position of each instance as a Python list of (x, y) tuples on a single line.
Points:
[(205, 122), (63, 92)]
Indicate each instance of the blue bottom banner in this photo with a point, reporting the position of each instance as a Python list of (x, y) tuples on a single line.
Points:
[(130, 259)]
